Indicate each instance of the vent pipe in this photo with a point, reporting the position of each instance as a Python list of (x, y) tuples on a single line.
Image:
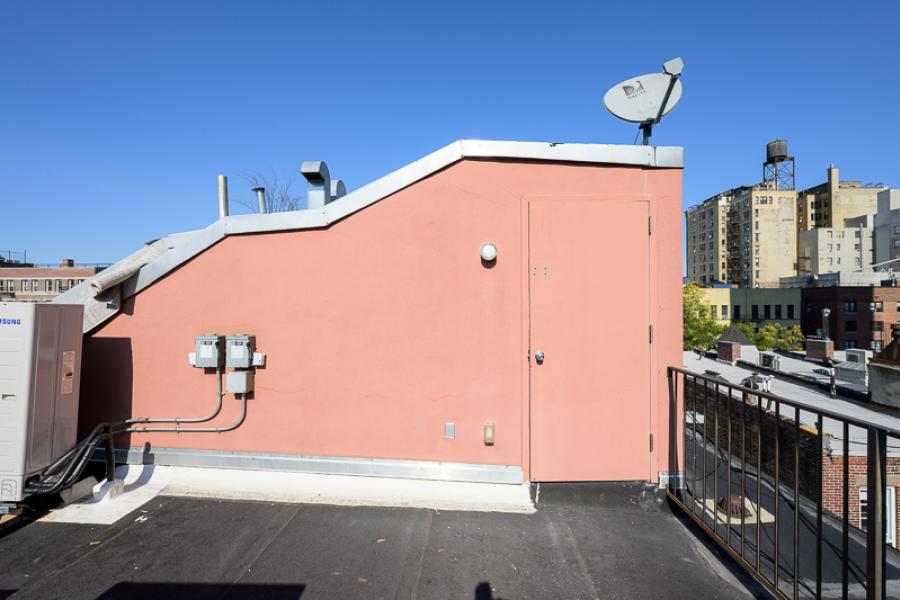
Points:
[(318, 183), (223, 196), (337, 190), (260, 198)]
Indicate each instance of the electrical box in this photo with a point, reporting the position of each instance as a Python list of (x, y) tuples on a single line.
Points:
[(40, 373), (209, 351), (239, 349), (239, 382)]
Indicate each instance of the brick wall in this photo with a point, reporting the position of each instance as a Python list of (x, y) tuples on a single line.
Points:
[(833, 485)]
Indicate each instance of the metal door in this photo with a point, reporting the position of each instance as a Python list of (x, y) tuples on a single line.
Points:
[(589, 340)]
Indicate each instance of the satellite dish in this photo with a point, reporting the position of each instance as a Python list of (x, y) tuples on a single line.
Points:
[(639, 99), (648, 98)]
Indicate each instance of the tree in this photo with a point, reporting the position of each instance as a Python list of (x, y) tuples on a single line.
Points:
[(277, 193), (700, 328), (777, 336), (748, 329)]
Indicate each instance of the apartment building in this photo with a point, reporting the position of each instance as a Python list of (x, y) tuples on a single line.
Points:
[(887, 230), (832, 203), (706, 235), (26, 282), (829, 249), (728, 234), (861, 317), (757, 305)]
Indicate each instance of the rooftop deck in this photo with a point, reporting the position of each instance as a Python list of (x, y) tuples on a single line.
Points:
[(585, 541)]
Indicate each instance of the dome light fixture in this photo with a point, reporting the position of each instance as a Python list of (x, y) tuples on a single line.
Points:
[(488, 252)]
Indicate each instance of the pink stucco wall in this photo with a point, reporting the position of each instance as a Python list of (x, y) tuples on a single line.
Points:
[(381, 327)]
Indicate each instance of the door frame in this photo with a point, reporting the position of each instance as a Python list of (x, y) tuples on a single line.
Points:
[(527, 414)]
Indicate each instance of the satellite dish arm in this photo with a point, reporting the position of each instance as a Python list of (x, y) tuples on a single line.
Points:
[(647, 126)]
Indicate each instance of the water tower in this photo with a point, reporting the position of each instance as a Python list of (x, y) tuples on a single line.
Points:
[(778, 170)]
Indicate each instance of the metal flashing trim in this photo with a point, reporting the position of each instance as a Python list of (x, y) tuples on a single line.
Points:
[(675, 480), (328, 465), (178, 249)]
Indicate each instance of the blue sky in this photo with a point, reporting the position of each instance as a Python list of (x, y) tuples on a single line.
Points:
[(115, 117)]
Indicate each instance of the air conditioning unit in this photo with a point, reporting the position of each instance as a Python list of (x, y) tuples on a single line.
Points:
[(770, 361), (40, 360)]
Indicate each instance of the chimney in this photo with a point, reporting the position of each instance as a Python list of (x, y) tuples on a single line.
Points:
[(68, 262), (222, 182), (834, 180)]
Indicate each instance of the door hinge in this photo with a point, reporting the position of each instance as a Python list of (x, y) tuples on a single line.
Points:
[(649, 225), (651, 334), (651, 442)]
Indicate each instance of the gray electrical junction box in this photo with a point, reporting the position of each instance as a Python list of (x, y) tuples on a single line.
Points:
[(209, 351), (239, 350)]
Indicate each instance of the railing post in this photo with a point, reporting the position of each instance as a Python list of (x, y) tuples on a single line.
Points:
[(674, 414), (875, 515)]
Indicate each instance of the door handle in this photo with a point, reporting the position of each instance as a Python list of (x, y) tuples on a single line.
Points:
[(539, 357)]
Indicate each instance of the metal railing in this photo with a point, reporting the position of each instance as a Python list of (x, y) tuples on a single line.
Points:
[(777, 484)]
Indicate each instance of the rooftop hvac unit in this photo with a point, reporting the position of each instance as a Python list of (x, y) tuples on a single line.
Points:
[(40, 358), (770, 361)]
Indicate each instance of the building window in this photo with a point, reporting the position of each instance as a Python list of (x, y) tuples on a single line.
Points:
[(877, 325), (850, 306), (48, 285), (724, 311), (790, 311), (767, 311), (875, 346), (1, 285), (850, 326), (34, 285), (850, 344), (896, 230), (778, 311), (879, 307), (24, 285), (890, 512), (58, 285), (11, 286), (808, 307), (754, 312), (737, 312)]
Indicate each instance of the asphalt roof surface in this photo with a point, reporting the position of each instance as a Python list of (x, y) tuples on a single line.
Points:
[(591, 541)]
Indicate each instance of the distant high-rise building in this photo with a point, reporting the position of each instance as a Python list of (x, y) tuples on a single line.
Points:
[(751, 236), (887, 231), (832, 203), (730, 234)]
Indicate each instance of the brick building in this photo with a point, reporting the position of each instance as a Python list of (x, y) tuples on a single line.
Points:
[(26, 282), (833, 489), (861, 317)]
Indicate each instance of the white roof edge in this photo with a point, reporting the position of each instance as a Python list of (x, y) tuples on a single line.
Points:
[(180, 248)]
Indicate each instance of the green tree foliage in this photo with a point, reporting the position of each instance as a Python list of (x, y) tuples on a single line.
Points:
[(700, 328), (748, 329), (776, 336)]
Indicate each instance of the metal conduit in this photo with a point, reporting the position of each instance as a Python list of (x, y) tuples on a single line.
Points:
[(178, 429), (219, 395)]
